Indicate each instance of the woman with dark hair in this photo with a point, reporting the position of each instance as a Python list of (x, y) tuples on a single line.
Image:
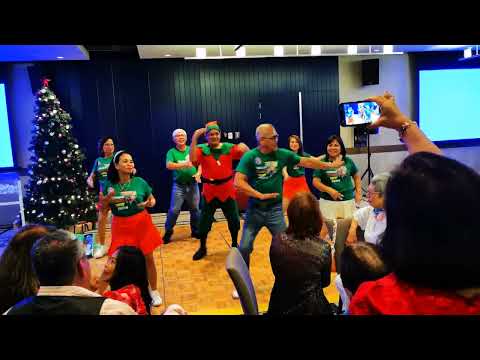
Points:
[(132, 225), (17, 279), (431, 240), (294, 176), (98, 175), (97, 180), (338, 194), (301, 262), (361, 262), (126, 273)]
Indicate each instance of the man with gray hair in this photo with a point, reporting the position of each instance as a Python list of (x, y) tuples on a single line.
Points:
[(259, 175), (185, 185), (371, 219), (63, 271)]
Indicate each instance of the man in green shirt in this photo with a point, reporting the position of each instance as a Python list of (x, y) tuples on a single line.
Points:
[(259, 175), (185, 185)]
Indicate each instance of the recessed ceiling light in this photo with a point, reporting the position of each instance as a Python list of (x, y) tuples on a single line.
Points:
[(201, 52), (167, 55), (59, 57), (278, 50), (352, 49), (316, 50), (388, 49), (242, 52), (467, 52)]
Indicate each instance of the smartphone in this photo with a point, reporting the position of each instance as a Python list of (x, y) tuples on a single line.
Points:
[(358, 113), (89, 241)]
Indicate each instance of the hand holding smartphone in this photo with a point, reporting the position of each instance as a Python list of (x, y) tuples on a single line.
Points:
[(358, 113)]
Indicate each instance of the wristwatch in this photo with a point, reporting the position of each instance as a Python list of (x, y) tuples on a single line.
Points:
[(404, 127)]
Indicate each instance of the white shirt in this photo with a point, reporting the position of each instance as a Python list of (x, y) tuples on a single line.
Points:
[(372, 225)]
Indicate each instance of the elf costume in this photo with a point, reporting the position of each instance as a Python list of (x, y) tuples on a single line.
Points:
[(218, 189)]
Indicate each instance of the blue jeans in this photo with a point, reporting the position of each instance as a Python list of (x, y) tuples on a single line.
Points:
[(181, 193), (256, 218)]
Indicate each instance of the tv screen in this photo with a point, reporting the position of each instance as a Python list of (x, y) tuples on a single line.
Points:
[(6, 156), (449, 104)]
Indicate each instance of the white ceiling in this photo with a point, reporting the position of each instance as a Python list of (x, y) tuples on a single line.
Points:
[(188, 51)]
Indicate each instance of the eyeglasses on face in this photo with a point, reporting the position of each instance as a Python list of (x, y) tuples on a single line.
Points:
[(274, 137)]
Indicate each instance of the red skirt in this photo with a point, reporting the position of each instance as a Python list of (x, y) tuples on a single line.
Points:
[(294, 185), (136, 230)]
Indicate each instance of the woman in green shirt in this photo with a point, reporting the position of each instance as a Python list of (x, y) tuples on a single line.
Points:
[(294, 180), (131, 223), (338, 194), (97, 180)]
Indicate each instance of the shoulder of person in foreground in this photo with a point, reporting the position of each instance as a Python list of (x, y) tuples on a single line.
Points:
[(175, 309), (115, 307), (371, 296)]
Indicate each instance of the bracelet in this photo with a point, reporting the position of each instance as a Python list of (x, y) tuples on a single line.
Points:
[(403, 129)]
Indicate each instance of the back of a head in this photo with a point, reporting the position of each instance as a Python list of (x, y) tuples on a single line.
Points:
[(304, 217), (17, 279), (131, 269), (431, 239), (55, 257), (361, 262)]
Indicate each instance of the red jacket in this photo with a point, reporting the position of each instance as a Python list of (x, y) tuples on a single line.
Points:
[(391, 296)]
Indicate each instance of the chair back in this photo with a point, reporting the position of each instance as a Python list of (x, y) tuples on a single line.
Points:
[(240, 275)]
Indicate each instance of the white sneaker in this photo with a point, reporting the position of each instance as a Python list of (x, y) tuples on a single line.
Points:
[(99, 252), (235, 294), (156, 298)]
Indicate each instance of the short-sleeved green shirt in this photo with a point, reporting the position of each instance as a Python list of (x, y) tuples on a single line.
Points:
[(133, 192), (296, 170), (340, 179), (264, 171), (181, 176), (100, 169)]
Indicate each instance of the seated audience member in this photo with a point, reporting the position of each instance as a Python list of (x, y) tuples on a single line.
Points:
[(431, 240), (361, 262), (371, 219), (63, 272), (17, 280), (301, 262), (126, 274)]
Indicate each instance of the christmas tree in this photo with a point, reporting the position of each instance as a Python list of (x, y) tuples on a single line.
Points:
[(57, 193)]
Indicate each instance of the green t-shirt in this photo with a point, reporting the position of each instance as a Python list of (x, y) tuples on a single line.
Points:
[(133, 192), (340, 179), (296, 170), (100, 169), (264, 171), (181, 176)]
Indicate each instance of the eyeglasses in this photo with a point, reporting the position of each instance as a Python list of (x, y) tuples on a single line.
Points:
[(370, 193), (274, 137)]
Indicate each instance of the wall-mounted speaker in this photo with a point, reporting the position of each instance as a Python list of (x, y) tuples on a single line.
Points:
[(370, 72)]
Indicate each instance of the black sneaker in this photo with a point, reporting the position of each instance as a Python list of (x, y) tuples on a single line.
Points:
[(200, 254), (195, 235), (235, 244), (167, 236)]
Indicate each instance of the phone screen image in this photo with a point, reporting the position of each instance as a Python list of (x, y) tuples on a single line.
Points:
[(88, 243), (358, 113)]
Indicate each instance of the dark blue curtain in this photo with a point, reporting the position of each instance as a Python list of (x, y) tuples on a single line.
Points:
[(140, 102)]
